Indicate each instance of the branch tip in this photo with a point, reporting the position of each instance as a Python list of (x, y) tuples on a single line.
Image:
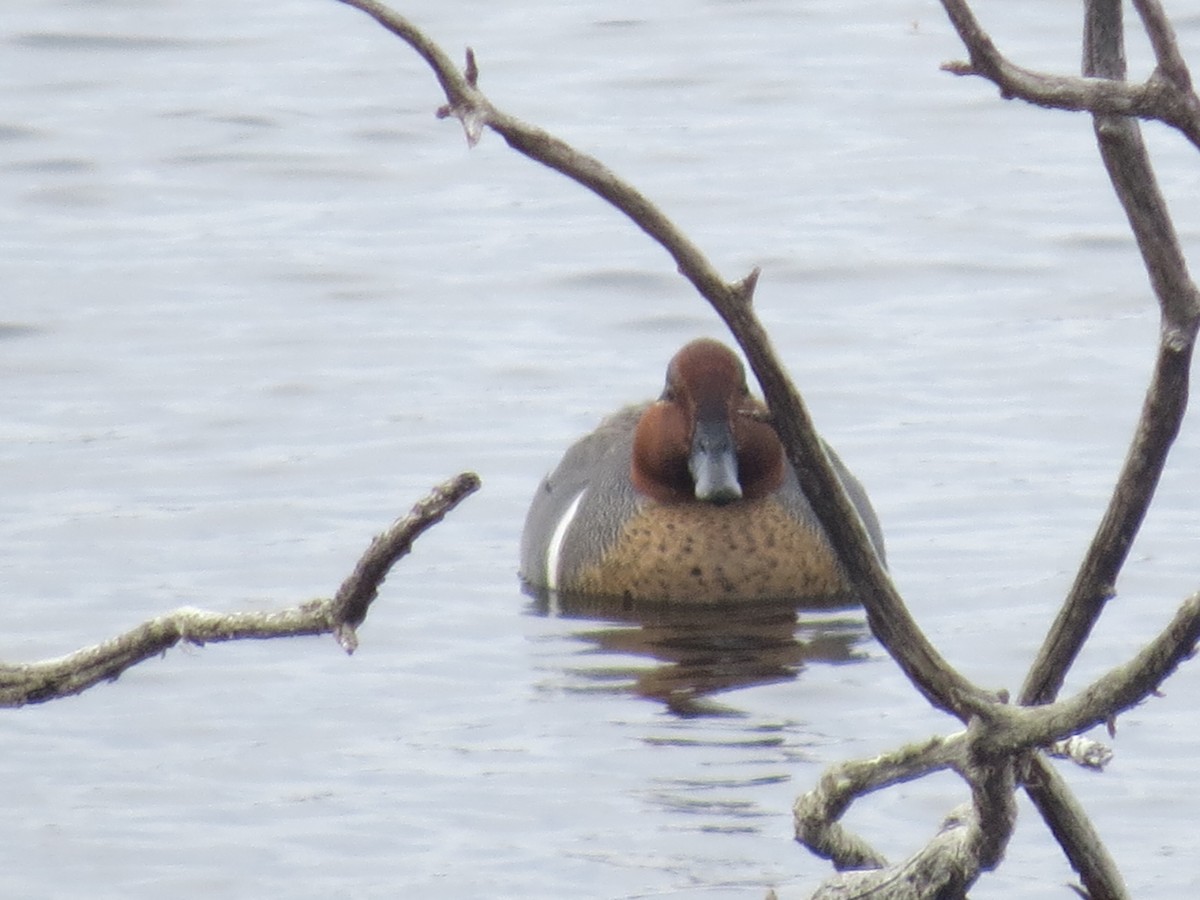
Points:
[(740, 295), (347, 637), (959, 67), (748, 284), (472, 70)]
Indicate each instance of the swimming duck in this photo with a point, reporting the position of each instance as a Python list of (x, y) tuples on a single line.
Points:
[(685, 499)]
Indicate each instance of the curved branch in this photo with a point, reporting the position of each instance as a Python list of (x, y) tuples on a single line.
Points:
[(357, 592), (469, 104), (945, 867), (458, 88), (1132, 176), (816, 814), (1168, 96), (972, 838), (984, 756), (37, 682), (888, 617)]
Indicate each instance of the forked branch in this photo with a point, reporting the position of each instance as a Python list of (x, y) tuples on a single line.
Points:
[(1169, 96), (981, 755), (1128, 164), (1166, 95), (1132, 175)]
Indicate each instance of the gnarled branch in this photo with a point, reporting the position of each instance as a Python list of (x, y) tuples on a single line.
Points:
[(984, 756), (816, 814)]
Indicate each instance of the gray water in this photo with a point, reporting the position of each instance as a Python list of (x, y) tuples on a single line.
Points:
[(257, 300)]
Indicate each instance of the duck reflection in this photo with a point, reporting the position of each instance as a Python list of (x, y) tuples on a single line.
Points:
[(702, 651)]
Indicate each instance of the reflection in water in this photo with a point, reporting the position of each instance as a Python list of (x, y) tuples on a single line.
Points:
[(701, 651)]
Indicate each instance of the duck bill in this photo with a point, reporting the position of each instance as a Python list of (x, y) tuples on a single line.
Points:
[(713, 462)]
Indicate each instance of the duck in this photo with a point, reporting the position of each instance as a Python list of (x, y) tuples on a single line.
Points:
[(685, 499)]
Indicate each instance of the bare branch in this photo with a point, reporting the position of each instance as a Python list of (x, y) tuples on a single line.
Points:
[(994, 805), (1171, 64), (1130, 171), (1053, 799), (945, 867), (37, 682), (972, 838), (998, 736), (984, 756), (357, 592), (1118, 690), (50, 679), (816, 814), (1128, 163), (1104, 40), (886, 612), (468, 104), (459, 90), (888, 616), (1166, 96), (1074, 831), (1162, 414)]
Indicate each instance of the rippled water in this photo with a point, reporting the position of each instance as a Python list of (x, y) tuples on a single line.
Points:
[(257, 300)]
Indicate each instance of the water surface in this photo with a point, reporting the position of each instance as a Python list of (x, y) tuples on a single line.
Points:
[(257, 300)]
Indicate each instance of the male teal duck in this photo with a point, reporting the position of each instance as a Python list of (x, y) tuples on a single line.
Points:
[(686, 499)]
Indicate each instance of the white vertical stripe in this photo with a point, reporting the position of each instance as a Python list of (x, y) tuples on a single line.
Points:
[(554, 551)]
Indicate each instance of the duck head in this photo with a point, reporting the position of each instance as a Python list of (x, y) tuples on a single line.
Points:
[(706, 439)]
